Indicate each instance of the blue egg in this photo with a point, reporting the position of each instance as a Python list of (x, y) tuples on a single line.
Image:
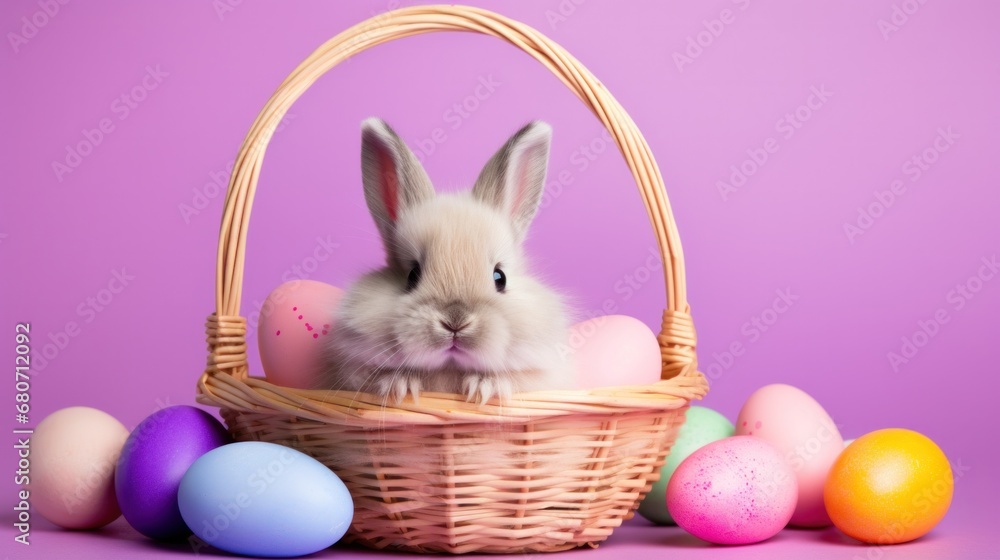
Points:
[(263, 499)]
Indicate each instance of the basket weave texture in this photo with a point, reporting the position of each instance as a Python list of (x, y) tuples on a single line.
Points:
[(548, 471)]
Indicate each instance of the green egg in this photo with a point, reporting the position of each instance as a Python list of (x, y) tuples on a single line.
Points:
[(703, 426)]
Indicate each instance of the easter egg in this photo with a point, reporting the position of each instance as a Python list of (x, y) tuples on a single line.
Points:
[(73, 455), (798, 427), (295, 322), (155, 457), (614, 350), (738, 490), (702, 426), (890, 486), (262, 499)]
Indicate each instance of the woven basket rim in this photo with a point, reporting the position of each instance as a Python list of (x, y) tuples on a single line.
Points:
[(435, 408)]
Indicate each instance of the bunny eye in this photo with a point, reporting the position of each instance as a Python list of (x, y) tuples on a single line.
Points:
[(413, 278), (499, 279)]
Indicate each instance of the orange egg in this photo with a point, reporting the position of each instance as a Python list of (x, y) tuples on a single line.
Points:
[(889, 486)]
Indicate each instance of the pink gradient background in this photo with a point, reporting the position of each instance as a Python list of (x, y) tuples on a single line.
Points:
[(782, 230)]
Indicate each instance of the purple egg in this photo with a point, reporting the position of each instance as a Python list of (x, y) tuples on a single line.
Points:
[(154, 459), (738, 490)]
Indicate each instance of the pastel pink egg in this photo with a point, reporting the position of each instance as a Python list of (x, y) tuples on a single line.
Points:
[(613, 350), (738, 490), (73, 455), (802, 431), (295, 324)]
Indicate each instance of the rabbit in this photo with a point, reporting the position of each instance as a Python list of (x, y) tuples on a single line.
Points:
[(454, 309)]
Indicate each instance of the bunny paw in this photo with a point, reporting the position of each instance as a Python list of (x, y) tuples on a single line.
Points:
[(480, 388), (396, 387)]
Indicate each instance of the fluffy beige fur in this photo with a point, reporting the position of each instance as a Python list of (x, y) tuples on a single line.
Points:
[(396, 341)]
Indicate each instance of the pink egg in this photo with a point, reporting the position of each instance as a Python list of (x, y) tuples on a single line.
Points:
[(738, 490), (73, 456), (798, 427), (613, 350), (296, 322)]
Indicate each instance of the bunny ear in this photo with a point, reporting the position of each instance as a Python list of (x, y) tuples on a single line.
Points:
[(514, 177), (393, 178)]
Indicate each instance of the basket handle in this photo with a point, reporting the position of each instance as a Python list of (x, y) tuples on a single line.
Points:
[(227, 329)]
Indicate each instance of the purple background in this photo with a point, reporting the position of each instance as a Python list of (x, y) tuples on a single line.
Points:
[(890, 92)]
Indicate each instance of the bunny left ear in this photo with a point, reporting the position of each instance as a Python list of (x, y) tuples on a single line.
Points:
[(513, 179)]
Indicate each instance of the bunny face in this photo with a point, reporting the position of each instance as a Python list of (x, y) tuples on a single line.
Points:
[(460, 257)]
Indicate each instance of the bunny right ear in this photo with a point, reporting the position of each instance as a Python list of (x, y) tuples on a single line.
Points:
[(393, 179), (514, 177)]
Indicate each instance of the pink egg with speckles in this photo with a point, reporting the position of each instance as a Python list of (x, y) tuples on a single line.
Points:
[(802, 431), (738, 490), (295, 324)]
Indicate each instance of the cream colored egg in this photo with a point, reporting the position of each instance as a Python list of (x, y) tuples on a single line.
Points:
[(73, 457)]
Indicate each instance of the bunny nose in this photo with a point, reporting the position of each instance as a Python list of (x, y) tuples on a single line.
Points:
[(454, 318), (452, 327)]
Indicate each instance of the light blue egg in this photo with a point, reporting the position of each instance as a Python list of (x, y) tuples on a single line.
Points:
[(703, 426), (262, 499)]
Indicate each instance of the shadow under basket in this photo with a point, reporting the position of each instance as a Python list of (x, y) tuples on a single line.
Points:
[(547, 471)]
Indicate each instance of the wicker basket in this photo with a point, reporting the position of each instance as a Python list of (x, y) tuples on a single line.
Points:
[(550, 471)]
